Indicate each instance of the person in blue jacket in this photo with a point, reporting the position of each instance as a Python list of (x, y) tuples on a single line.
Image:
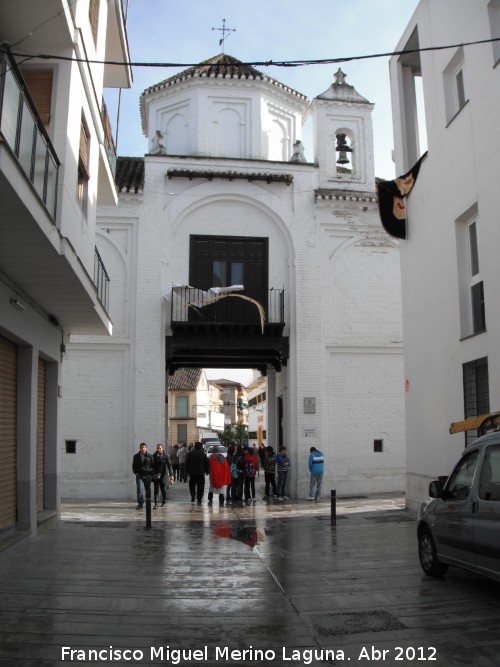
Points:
[(316, 468)]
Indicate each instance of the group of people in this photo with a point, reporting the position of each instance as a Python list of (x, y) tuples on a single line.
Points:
[(231, 477), (149, 468)]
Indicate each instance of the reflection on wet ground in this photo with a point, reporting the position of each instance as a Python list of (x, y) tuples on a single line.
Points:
[(249, 535)]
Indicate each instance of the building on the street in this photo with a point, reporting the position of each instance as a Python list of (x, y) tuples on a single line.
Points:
[(194, 406), (234, 402), (450, 271), (257, 411), (56, 166), (230, 250)]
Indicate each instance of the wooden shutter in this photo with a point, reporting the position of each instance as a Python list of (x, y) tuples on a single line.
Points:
[(40, 86), (40, 438), (94, 17), (8, 409), (84, 151)]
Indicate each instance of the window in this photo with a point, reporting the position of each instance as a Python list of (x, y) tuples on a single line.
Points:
[(225, 273), (181, 407), (83, 166), (378, 445), (489, 481), (181, 433), (470, 282), (476, 284), (477, 291), (454, 85), (461, 478), (476, 392), (39, 84), (94, 18), (70, 446)]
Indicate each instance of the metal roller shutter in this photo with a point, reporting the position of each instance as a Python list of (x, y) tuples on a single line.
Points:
[(8, 409), (40, 438)]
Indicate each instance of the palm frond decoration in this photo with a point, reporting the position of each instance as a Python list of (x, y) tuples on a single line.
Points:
[(212, 299)]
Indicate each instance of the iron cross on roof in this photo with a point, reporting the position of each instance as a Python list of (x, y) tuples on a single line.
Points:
[(225, 32)]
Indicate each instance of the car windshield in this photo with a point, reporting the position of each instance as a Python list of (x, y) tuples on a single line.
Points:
[(222, 449)]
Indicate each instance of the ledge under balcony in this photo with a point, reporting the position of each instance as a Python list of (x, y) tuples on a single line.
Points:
[(35, 259)]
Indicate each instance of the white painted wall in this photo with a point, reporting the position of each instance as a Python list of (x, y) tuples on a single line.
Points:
[(459, 173)]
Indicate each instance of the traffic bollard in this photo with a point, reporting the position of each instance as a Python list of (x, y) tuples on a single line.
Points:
[(147, 485), (333, 507)]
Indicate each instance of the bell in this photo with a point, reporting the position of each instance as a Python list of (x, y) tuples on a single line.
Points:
[(343, 159)]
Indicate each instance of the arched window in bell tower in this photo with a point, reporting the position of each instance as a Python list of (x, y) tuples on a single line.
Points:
[(343, 153)]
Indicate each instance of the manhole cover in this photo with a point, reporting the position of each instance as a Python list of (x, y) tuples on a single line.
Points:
[(350, 623)]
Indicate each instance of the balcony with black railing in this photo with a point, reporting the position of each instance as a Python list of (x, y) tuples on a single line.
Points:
[(249, 311), (22, 130)]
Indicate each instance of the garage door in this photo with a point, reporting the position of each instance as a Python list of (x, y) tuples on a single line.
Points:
[(40, 438), (8, 388)]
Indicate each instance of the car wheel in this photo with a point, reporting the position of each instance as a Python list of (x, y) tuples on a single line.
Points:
[(427, 554)]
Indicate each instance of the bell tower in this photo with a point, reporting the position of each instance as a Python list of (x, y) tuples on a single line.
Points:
[(343, 138)]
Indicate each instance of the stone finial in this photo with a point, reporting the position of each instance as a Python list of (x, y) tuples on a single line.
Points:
[(340, 77)]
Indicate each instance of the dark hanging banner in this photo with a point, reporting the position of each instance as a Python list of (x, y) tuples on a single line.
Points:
[(391, 203)]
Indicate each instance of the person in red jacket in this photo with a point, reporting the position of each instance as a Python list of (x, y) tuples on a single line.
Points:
[(250, 468), (220, 476)]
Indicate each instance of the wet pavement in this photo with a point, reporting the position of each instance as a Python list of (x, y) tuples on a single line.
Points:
[(270, 584)]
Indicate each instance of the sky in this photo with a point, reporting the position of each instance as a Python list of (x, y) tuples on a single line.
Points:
[(181, 31)]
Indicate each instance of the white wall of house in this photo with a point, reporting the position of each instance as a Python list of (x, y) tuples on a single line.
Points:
[(47, 254), (456, 186)]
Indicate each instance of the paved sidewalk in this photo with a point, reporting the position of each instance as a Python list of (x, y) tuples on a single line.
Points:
[(274, 582)]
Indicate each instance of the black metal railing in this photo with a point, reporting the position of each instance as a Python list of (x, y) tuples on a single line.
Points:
[(248, 307), (101, 280), (22, 130)]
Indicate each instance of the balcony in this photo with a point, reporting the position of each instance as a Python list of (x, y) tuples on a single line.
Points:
[(40, 264), (232, 330), (23, 132), (247, 311)]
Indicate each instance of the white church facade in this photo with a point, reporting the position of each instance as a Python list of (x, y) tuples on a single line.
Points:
[(226, 198)]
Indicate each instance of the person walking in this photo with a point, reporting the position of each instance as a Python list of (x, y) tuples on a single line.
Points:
[(237, 482), (316, 463), (161, 463), (250, 468), (174, 457), (197, 467), (142, 467), (270, 472), (283, 466), (261, 451), (182, 455), (220, 476)]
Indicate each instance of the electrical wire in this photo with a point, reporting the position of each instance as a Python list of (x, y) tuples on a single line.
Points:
[(257, 63)]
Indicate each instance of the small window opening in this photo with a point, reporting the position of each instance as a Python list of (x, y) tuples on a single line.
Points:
[(70, 446), (378, 445)]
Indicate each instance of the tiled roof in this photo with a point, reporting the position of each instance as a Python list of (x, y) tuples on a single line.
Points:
[(129, 175), (185, 379), (224, 66)]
